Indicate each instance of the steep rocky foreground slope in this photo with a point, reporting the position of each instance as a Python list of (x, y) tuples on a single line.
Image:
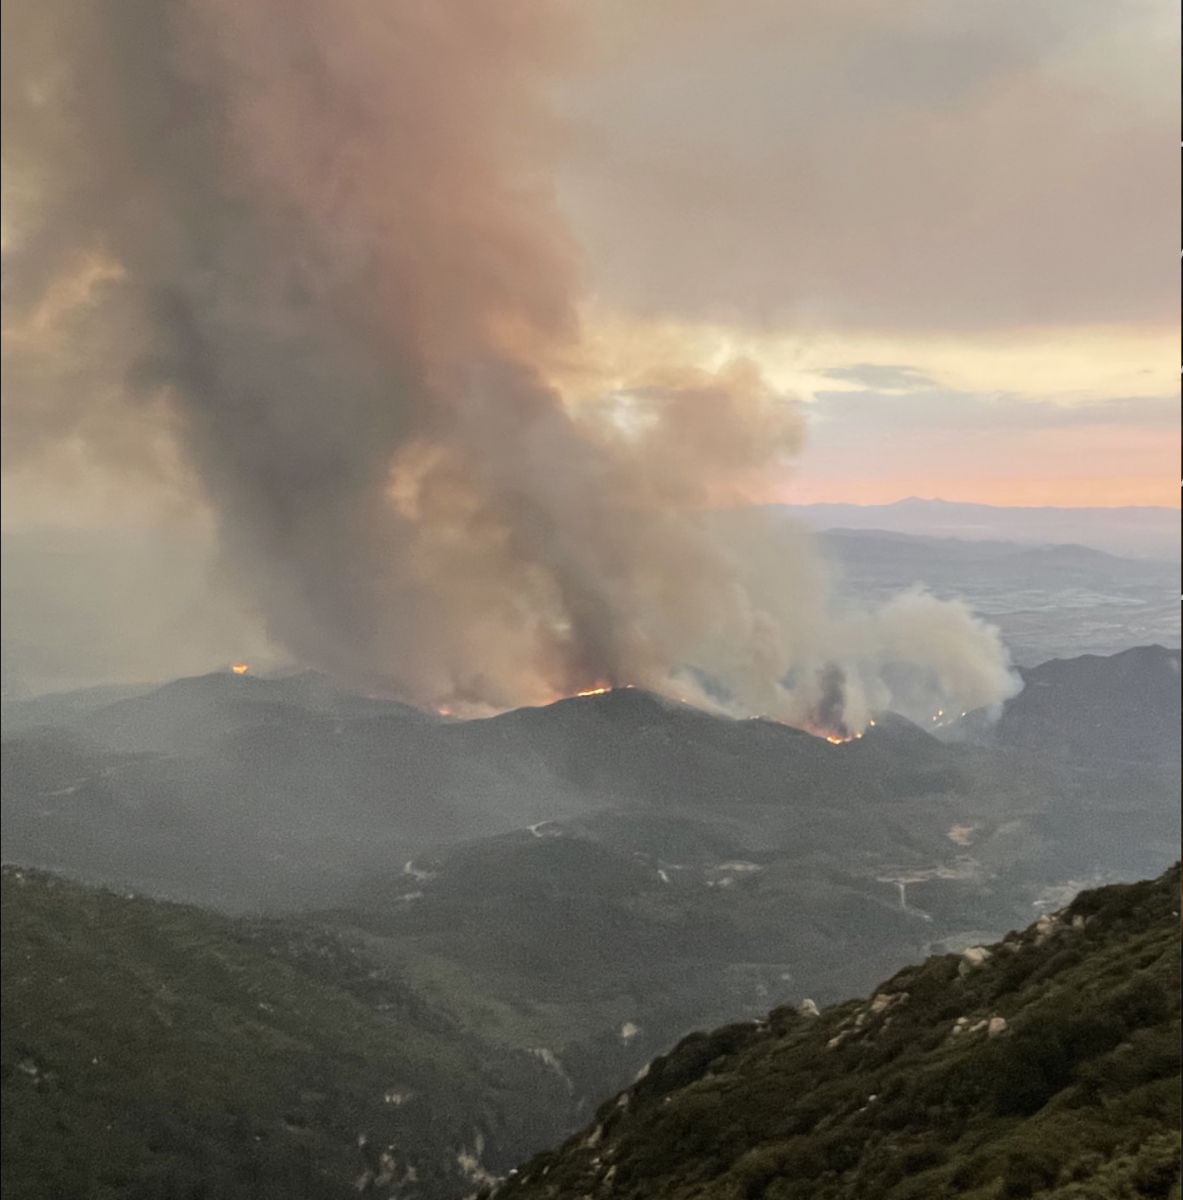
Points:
[(151, 1050), (1046, 1065)]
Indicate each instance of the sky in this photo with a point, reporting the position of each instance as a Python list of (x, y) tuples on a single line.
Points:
[(947, 231), (950, 229)]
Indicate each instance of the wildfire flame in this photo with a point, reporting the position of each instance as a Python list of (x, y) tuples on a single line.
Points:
[(837, 735), (831, 735), (838, 739), (944, 718), (239, 668)]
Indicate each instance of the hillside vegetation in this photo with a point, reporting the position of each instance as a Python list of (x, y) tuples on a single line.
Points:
[(151, 1050), (157, 1052), (1047, 1066)]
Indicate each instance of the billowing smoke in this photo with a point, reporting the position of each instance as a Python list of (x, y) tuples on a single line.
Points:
[(829, 711), (315, 243)]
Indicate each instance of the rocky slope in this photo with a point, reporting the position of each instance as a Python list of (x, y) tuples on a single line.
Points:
[(1045, 1065)]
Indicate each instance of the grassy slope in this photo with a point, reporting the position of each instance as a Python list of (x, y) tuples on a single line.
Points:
[(154, 1050), (1076, 1099)]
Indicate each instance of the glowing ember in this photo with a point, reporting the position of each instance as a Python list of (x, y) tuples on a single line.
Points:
[(946, 718), (823, 734), (840, 740), (594, 691), (239, 668)]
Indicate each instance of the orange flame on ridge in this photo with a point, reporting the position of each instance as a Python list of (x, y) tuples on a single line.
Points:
[(239, 668)]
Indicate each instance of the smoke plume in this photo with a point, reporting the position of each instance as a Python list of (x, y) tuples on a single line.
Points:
[(315, 241)]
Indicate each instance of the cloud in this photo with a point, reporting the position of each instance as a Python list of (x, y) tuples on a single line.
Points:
[(900, 165), (882, 376), (917, 437), (935, 409)]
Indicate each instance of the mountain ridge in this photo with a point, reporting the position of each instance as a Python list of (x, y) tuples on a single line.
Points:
[(1139, 531)]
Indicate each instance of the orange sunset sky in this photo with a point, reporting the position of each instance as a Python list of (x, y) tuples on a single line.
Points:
[(951, 230)]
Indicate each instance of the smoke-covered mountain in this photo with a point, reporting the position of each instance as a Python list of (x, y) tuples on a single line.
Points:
[(250, 793), (596, 877), (1119, 708), (77, 609), (420, 472), (1045, 1065)]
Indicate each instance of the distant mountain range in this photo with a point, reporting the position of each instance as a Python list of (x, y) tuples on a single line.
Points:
[(1145, 532)]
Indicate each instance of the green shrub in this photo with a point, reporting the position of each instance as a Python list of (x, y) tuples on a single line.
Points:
[(1028, 1172)]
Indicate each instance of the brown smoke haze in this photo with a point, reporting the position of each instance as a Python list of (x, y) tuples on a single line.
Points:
[(312, 246)]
